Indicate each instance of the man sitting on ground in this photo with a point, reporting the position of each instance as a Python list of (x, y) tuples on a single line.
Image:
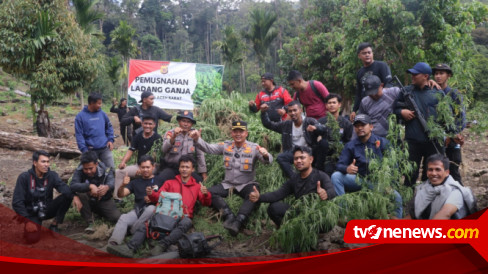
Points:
[(190, 190), (307, 180), (441, 197), (33, 197), (93, 183), (143, 206)]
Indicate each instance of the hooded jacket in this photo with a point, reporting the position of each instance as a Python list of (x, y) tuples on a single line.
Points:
[(93, 130), (104, 176), (190, 193), (22, 199)]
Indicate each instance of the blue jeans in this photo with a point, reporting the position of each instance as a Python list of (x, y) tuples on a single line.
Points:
[(347, 183), (105, 156), (285, 160)]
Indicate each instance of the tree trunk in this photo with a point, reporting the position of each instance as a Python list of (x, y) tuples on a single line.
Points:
[(43, 125), (243, 76), (33, 143), (82, 99)]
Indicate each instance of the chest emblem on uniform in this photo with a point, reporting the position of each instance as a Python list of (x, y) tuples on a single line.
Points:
[(178, 144), (175, 149), (246, 161), (246, 167), (226, 164), (377, 143), (192, 149)]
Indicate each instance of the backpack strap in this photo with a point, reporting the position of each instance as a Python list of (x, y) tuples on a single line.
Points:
[(315, 90)]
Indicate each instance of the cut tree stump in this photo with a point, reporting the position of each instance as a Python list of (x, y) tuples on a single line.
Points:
[(53, 146)]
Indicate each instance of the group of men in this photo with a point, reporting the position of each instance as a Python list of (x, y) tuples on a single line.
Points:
[(306, 144)]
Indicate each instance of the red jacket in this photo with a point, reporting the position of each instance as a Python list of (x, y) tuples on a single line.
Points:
[(189, 191), (275, 99)]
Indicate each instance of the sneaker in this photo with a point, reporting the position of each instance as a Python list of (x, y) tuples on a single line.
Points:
[(121, 251), (90, 229)]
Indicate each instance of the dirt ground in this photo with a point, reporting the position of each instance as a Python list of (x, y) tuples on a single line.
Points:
[(13, 162)]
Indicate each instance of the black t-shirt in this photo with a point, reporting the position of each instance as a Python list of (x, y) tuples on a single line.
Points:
[(138, 187), (143, 145), (379, 69)]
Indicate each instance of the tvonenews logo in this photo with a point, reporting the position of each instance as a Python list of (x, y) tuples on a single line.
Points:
[(376, 232), (473, 232)]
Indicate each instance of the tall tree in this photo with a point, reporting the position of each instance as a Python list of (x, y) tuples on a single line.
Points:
[(41, 42), (86, 15), (233, 51), (261, 32), (122, 41)]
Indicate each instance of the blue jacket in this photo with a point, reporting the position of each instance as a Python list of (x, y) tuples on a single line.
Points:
[(93, 130), (356, 150)]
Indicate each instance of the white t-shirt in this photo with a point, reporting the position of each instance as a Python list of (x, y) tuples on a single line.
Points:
[(298, 136)]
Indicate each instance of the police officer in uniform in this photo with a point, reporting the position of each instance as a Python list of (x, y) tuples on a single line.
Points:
[(240, 159), (177, 142)]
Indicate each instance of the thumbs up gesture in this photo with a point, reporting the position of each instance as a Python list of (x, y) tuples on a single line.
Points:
[(352, 168), (203, 189), (195, 134), (322, 193), (126, 179), (254, 195)]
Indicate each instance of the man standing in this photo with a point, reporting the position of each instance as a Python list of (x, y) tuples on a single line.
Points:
[(135, 114), (143, 206), (307, 180), (419, 144), (177, 142), (311, 94), (378, 104), (142, 143), (370, 67), (293, 133), (354, 161), (121, 110), (94, 131), (33, 197), (240, 159), (324, 149), (271, 97), (440, 197), (442, 73), (93, 183), (190, 191)]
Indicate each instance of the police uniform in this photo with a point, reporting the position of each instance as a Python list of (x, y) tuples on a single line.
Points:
[(240, 172), (183, 145)]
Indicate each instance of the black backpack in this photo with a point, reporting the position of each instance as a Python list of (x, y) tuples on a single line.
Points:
[(195, 245)]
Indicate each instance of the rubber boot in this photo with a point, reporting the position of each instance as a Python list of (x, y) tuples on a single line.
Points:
[(229, 217), (237, 224)]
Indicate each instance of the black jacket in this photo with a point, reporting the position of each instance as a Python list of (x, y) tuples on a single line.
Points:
[(23, 198), (120, 111), (285, 128), (344, 124), (299, 187), (138, 111), (81, 183)]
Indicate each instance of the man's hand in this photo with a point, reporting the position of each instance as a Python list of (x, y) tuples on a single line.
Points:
[(352, 168), (195, 134), (433, 84), (147, 200), (254, 195), (459, 139), (408, 114), (93, 190), (149, 190), (77, 204), (263, 151), (203, 189), (122, 165), (281, 111), (204, 176), (252, 103), (126, 180), (102, 190), (138, 172), (30, 227), (352, 116), (110, 145), (322, 193), (137, 120), (264, 107), (311, 128)]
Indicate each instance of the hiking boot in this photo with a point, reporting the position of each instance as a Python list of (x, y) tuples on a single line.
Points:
[(229, 218), (121, 251), (236, 225)]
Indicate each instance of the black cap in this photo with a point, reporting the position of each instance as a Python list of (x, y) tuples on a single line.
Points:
[(239, 125), (444, 67), (267, 76), (145, 94), (185, 114), (371, 84), (362, 118)]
